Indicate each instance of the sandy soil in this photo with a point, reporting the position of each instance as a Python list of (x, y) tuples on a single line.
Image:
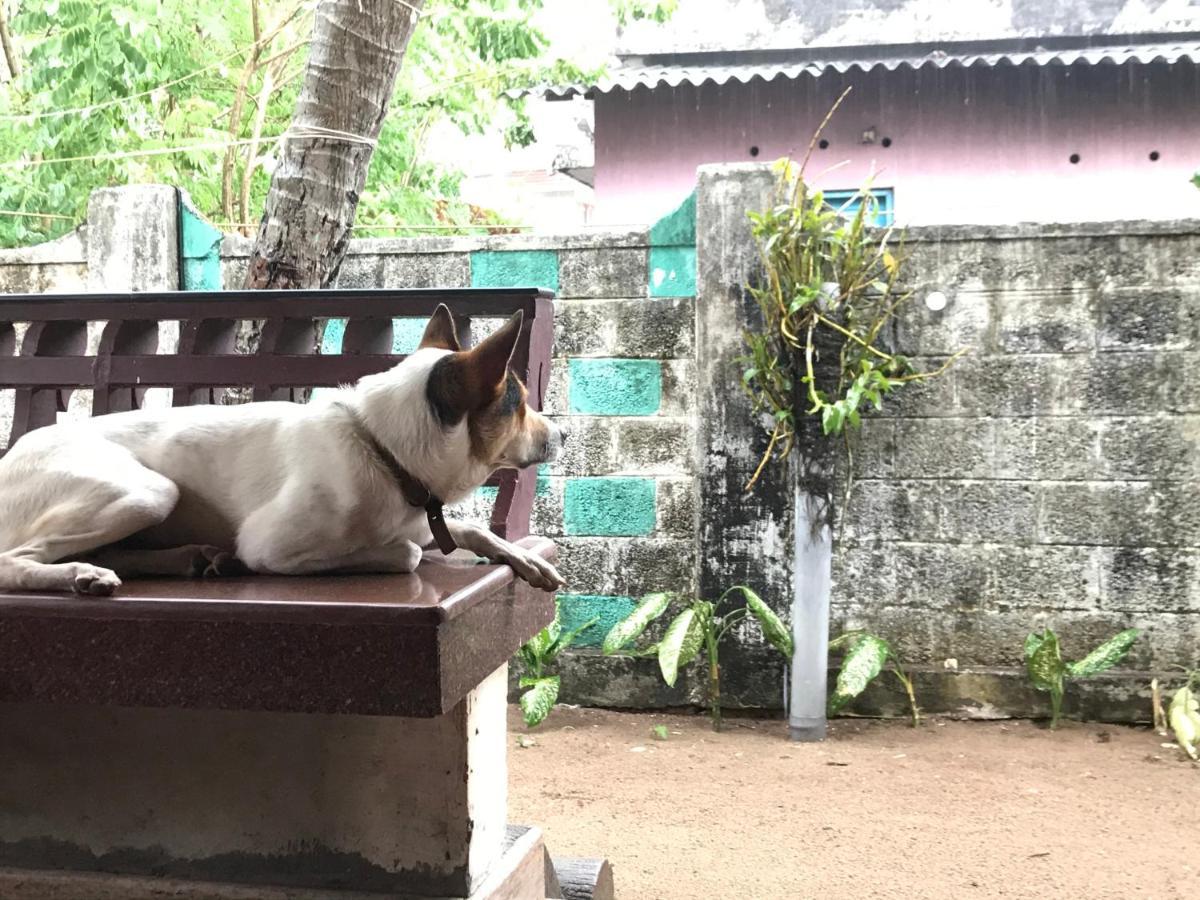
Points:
[(953, 809)]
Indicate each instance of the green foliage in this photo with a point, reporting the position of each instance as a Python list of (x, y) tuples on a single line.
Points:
[(660, 732), (865, 658), (537, 655), (1184, 716), (699, 626), (537, 702), (827, 278), (159, 75), (1048, 672), (631, 627)]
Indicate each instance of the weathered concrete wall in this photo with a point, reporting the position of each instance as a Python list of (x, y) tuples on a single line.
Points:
[(1051, 477)]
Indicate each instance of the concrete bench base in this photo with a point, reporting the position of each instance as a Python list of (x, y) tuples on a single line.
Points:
[(390, 805), (517, 876)]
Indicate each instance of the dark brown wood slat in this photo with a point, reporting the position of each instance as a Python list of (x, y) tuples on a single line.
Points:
[(202, 337), (518, 489), (139, 337), (472, 302)]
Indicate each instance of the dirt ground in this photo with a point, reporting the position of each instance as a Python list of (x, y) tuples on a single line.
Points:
[(879, 810)]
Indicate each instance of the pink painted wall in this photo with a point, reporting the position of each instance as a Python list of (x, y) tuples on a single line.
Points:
[(968, 146)]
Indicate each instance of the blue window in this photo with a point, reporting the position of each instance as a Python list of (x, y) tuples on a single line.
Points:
[(848, 202)]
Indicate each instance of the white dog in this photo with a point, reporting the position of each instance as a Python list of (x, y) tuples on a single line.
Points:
[(338, 485)]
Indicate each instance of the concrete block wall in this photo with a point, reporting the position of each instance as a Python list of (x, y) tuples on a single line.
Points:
[(1053, 475)]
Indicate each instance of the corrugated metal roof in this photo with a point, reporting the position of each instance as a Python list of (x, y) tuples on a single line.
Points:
[(666, 75)]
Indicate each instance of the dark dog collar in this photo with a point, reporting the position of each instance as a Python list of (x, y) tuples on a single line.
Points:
[(413, 489)]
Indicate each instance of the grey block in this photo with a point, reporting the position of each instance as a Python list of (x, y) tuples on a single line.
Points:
[(966, 321), (1152, 318), (591, 448), (655, 445), (658, 328), (678, 388), (546, 517), (627, 566), (1149, 580), (676, 507), (1125, 514), (1056, 321), (1000, 511), (432, 270), (603, 272)]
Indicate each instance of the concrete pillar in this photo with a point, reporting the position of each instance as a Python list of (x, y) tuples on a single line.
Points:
[(133, 239), (744, 538)]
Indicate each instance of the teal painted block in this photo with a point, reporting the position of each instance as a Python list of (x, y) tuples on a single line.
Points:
[(407, 334), (575, 609), (515, 268), (614, 387), (676, 228), (609, 506), (200, 249), (489, 492), (331, 340), (672, 271)]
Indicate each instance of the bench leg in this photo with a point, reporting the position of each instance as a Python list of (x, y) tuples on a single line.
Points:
[(365, 803)]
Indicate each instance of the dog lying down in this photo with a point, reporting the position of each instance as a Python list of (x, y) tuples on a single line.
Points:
[(352, 482)]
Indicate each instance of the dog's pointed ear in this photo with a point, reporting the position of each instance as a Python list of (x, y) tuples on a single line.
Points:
[(490, 358), (440, 333)]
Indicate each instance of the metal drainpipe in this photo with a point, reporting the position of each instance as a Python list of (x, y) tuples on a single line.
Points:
[(812, 582)]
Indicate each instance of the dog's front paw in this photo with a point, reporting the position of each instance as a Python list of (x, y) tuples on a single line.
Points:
[(535, 570), (94, 580)]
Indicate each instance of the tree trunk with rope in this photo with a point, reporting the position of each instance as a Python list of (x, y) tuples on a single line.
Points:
[(355, 55)]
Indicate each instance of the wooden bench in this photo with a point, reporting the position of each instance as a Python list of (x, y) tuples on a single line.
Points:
[(260, 736)]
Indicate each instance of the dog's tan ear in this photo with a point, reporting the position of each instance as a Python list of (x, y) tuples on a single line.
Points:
[(440, 333), (488, 361)]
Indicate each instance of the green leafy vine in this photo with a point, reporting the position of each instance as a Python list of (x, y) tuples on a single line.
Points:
[(830, 286)]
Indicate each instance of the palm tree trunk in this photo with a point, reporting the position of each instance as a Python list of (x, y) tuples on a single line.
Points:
[(357, 47)]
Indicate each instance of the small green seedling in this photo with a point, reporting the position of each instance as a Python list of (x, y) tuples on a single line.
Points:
[(536, 656), (1048, 671), (700, 626), (865, 657), (660, 732)]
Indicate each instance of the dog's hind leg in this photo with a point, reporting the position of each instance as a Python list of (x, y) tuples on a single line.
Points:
[(189, 561), (85, 515)]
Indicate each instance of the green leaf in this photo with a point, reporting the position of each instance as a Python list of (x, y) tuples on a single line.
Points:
[(537, 702), (660, 732), (773, 629), (1105, 656), (628, 629), (1032, 642), (847, 639), (862, 663), (564, 641), (681, 643), (1045, 663)]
